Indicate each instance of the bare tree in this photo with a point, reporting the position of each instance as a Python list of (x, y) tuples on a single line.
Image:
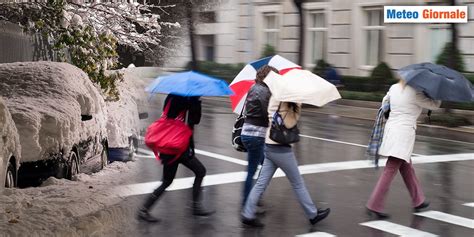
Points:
[(299, 6)]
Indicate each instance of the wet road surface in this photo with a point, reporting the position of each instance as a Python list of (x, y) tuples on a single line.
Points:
[(449, 186)]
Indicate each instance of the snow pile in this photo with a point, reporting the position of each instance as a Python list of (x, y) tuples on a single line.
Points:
[(62, 207), (9, 141), (123, 120), (46, 100)]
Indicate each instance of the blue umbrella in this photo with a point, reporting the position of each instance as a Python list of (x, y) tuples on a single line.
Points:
[(189, 83), (438, 82)]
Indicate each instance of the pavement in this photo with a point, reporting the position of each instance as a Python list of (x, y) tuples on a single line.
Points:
[(331, 159)]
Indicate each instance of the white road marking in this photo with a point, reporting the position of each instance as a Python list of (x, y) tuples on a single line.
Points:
[(221, 157), (471, 204), (396, 229), (448, 218), (204, 153), (341, 142), (235, 177), (316, 234)]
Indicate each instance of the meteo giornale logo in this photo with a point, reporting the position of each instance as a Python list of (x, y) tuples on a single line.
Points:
[(425, 14)]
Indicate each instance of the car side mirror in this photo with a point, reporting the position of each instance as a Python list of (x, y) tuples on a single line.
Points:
[(86, 117), (143, 115)]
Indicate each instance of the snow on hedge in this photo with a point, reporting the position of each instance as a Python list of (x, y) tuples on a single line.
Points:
[(9, 141), (46, 100), (60, 207)]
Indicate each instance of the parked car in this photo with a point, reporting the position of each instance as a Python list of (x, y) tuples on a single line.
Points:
[(125, 116), (60, 116), (9, 149)]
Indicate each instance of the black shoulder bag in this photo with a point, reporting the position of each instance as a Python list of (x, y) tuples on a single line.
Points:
[(280, 133), (237, 131)]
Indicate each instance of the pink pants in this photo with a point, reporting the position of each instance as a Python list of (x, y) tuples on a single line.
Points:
[(377, 199)]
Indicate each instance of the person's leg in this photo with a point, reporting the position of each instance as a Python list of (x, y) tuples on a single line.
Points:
[(255, 155), (287, 162), (376, 200), (199, 171), (169, 172), (413, 185), (250, 207)]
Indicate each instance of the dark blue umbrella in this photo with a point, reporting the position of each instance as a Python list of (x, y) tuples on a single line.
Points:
[(438, 82), (189, 83)]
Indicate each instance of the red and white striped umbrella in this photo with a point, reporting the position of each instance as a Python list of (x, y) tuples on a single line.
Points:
[(246, 78)]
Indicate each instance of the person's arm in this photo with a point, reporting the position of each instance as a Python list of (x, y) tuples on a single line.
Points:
[(423, 101), (195, 111)]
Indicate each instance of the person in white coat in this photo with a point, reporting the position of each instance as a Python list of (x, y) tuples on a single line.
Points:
[(406, 105)]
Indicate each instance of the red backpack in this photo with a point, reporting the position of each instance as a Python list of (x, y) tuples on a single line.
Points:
[(168, 136)]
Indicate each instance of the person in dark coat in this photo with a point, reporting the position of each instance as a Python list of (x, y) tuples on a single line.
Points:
[(255, 126), (192, 107)]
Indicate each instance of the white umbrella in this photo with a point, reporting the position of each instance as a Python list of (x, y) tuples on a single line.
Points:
[(301, 86)]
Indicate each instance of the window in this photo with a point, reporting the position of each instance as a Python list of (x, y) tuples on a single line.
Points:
[(440, 34), (373, 31), (317, 27), (270, 29)]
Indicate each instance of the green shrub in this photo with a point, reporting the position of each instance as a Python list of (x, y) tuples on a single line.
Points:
[(366, 96), (470, 77), (448, 120), (365, 84), (321, 67), (448, 54), (226, 72), (268, 50), (381, 75)]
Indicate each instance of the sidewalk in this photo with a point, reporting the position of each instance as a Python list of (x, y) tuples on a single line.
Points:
[(367, 110)]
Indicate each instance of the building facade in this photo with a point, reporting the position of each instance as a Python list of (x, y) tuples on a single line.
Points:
[(349, 34)]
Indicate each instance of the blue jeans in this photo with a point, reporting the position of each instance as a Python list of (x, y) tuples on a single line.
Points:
[(255, 156), (283, 158)]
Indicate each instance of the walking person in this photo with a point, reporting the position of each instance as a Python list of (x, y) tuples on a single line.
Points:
[(178, 107), (255, 126), (281, 156), (406, 104)]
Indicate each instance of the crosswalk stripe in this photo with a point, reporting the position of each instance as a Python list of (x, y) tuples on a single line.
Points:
[(204, 153), (316, 234), (448, 218), (341, 142), (471, 204), (396, 229), (235, 177)]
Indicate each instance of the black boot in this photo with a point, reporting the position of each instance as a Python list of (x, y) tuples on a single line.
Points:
[(322, 213), (200, 210), (422, 206), (256, 223), (377, 215), (144, 215)]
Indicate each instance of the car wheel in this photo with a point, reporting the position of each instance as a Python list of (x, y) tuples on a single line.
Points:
[(104, 157), (74, 167), (10, 176)]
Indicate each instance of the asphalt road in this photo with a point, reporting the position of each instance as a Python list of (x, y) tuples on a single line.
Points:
[(331, 156)]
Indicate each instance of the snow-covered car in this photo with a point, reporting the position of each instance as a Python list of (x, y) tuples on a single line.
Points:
[(60, 116), (9, 148), (127, 116)]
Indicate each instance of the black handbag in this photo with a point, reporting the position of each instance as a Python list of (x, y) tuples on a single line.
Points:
[(280, 133), (237, 131)]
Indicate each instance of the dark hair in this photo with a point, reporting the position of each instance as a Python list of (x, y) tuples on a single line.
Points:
[(263, 72), (294, 106)]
